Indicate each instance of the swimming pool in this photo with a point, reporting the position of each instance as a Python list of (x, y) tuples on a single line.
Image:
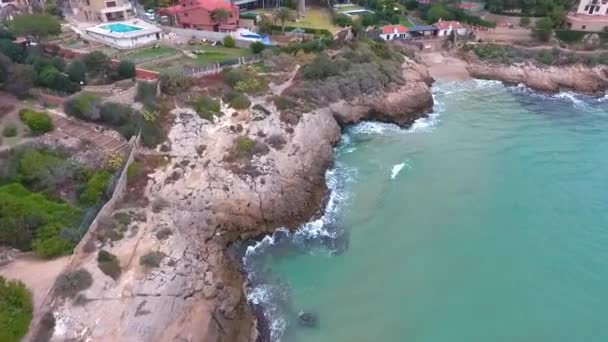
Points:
[(121, 28), (358, 12)]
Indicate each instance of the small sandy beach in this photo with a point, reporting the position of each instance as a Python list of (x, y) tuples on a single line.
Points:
[(445, 68)]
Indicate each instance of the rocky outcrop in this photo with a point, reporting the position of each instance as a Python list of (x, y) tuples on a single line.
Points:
[(549, 79), (402, 105), (242, 176)]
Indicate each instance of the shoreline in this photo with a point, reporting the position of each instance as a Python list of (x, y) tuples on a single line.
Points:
[(440, 71)]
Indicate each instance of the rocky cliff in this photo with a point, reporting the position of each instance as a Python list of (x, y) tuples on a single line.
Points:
[(549, 79), (402, 105), (244, 175)]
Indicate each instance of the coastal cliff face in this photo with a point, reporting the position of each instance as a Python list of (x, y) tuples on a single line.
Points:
[(402, 105), (548, 79), (242, 176)]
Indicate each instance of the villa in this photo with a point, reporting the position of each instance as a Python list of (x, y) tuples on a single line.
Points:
[(591, 15), (390, 32), (197, 14), (102, 10), (445, 28)]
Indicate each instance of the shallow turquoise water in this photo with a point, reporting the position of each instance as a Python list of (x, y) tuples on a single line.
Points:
[(495, 228)]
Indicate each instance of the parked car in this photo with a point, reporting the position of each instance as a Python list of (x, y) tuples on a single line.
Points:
[(150, 14)]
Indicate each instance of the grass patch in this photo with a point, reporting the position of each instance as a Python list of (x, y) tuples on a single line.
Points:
[(315, 17), (403, 21), (216, 54), (148, 54)]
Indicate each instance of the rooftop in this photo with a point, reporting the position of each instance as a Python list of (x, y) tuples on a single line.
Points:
[(421, 28), (394, 29), (442, 25), (208, 5)]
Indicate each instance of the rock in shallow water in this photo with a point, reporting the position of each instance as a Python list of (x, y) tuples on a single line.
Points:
[(308, 319)]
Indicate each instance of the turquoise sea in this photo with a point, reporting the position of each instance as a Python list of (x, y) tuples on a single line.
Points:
[(487, 221)]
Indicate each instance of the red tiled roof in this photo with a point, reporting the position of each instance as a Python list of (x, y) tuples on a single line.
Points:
[(444, 25), (388, 29), (208, 5)]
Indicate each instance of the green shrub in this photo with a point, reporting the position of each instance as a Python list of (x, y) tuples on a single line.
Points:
[(39, 123), (283, 103), (321, 68), (84, 106), (173, 82), (151, 133), (115, 114), (206, 106), (228, 41), (544, 29), (163, 233), (151, 259), (108, 264), (233, 76), (77, 71), (240, 101), (31, 221), (146, 94), (524, 21), (244, 145), (132, 171), (257, 47), (16, 310), (69, 283), (96, 62), (10, 130), (125, 69), (343, 20), (251, 86), (41, 169), (95, 188)]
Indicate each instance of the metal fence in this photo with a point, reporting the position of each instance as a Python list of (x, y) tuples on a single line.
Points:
[(214, 68)]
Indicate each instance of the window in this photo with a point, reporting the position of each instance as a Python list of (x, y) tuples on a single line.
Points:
[(586, 8), (597, 8), (583, 27), (111, 4), (185, 14)]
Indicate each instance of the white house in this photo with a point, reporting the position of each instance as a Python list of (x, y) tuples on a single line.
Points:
[(391, 32), (591, 15), (445, 28)]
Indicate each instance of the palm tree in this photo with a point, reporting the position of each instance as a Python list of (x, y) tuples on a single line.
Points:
[(282, 14), (220, 15)]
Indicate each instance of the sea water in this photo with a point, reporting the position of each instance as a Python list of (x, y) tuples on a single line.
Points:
[(487, 221)]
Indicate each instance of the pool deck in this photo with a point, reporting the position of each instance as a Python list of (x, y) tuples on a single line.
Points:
[(145, 29)]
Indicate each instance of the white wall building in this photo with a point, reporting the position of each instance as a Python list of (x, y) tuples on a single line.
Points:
[(445, 28), (391, 32)]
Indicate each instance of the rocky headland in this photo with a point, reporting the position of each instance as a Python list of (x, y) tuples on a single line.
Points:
[(236, 177), (580, 78)]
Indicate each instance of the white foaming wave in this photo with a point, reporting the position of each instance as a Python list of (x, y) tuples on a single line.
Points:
[(424, 124), (603, 99), (572, 97), (396, 169), (259, 294), (374, 128)]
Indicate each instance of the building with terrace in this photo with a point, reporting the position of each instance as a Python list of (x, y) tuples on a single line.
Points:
[(591, 15), (202, 15), (101, 10)]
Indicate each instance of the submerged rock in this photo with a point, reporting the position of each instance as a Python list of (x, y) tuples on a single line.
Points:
[(308, 319)]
